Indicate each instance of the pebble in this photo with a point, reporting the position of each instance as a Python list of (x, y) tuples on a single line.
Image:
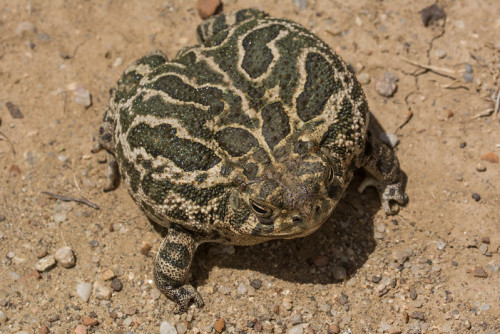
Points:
[(490, 157), (155, 293), (441, 245), (417, 315), (145, 248), (242, 289), (101, 292), (117, 286), (343, 299), (14, 110), (333, 329), (440, 54), (59, 217), (476, 197), (485, 240), (339, 273), (3, 317), (219, 325), (45, 263), (297, 329), (256, 284), (386, 86), (483, 248), (363, 78), (83, 97), (81, 329), (390, 139), (118, 62), (321, 260), (181, 327), (25, 27), (297, 318), (84, 290), (87, 321), (44, 330), (431, 14), (480, 167), (65, 257), (301, 4), (167, 328), (107, 274), (402, 256), (207, 8), (480, 272)]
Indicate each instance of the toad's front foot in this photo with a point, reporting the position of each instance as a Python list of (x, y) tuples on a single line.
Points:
[(171, 268), (183, 296), (392, 196)]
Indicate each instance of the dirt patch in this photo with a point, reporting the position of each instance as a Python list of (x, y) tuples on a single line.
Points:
[(431, 269)]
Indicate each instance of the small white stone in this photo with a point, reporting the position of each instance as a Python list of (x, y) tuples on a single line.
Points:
[(65, 257), (25, 27), (297, 329), (181, 328), (84, 290), (440, 54), (363, 78), (45, 263), (390, 139), (242, 289), (441, 245), (167, 328), (82, 97), (59, 217), (118, 62), (101, 292), (483, 248), (3, 317)]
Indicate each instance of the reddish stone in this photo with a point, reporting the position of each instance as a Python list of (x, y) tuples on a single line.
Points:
[(207, 8), (490, 157), (87, 321), (219, 325)]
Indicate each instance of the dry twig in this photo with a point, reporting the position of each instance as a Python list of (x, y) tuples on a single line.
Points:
[(434, 69), (71, 199)]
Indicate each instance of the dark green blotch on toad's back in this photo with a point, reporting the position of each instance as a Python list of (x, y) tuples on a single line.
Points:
[(235, 141), (275, 124), (319, 87), (258, 56), (161, 140)]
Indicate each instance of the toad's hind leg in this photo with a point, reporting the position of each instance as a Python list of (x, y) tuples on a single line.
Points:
[(213, 25), (385, 175), (171, 268)]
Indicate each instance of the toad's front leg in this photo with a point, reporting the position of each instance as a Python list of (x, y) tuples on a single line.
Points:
[(382, 165), (171, 268)]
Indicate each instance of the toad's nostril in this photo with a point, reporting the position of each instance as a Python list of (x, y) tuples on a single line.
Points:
[(317, 210), (296, 219)]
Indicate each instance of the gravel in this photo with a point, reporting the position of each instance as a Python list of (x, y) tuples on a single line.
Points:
[(117, 285), (84, 290), (386, 85), (3, 317), (65, 257), (101, 292), (167, 328), (298, 329), (45, 263)]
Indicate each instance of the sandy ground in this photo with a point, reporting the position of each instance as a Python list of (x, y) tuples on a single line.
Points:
[(434, 268)]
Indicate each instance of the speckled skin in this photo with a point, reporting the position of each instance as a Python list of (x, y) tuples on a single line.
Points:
[(252, 135)]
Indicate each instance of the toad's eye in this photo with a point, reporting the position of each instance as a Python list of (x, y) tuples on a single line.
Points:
[(261, 210), (329, 175)]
